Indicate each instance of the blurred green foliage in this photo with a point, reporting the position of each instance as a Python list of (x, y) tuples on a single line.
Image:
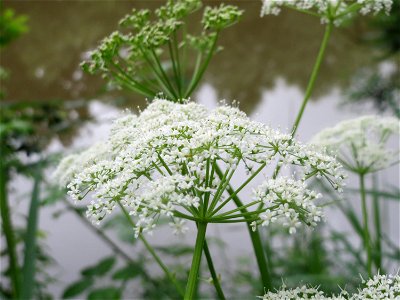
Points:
[(11, 25)]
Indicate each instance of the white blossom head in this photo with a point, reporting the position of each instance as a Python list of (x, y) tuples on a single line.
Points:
[(74, 163), (380, 287), (334, 11), (362, 144), (177, 160), (293, 203)]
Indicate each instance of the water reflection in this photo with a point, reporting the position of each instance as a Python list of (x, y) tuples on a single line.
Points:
[(257, 51)]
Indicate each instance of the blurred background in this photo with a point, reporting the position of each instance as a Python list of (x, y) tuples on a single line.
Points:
[(55, 109)]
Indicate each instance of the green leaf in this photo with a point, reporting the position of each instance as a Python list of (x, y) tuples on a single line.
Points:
[(108, 293), (11, 25), (102, 268), (128, 272), (77, 288)]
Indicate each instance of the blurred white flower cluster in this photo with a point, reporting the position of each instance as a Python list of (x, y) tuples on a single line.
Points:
[(164, 162), (328, 10), (380, 287), (362, 144)]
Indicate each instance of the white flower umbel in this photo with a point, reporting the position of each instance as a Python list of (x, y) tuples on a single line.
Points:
[(361, 144), (288, 201), (380, 287), (328, 10), (168, 162)]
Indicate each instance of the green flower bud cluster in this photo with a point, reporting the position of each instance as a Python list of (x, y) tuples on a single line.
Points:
[(137, 56), (177, 9), (218, 18)]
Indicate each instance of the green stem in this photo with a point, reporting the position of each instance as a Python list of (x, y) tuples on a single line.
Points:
[(178, 63), (378, 229), (310, 85), (258, 251), (304, 11), (194, 270), (237, 209), (255, 239), (367, 245), (314, 75), (153, 253), (164, 75), (158, 76), (199, 74), (129, 81), (175, 69), (234, 193), (242, 220), (214, 275), (162, 265), (100, 233), (195, 72), (9, 232), (28, 272)]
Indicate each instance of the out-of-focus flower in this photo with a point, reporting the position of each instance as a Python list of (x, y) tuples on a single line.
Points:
[(380, 287), (328, 10), (361, 144)]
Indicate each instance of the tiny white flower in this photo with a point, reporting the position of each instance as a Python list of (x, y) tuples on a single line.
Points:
[(179, 227)]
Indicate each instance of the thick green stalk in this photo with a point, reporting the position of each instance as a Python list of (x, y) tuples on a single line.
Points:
[(367, 243), (28, 271), (194, 270), (378, 229), (314, 75), (255, 239), (9, 233), (261, 258), (214, 275), (153, 253)]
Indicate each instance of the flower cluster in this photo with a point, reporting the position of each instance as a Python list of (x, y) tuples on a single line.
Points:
[(328, 10), (380, 287), (220, 17), (361, 144), (176, 160), (132, 58), (292, 203)]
